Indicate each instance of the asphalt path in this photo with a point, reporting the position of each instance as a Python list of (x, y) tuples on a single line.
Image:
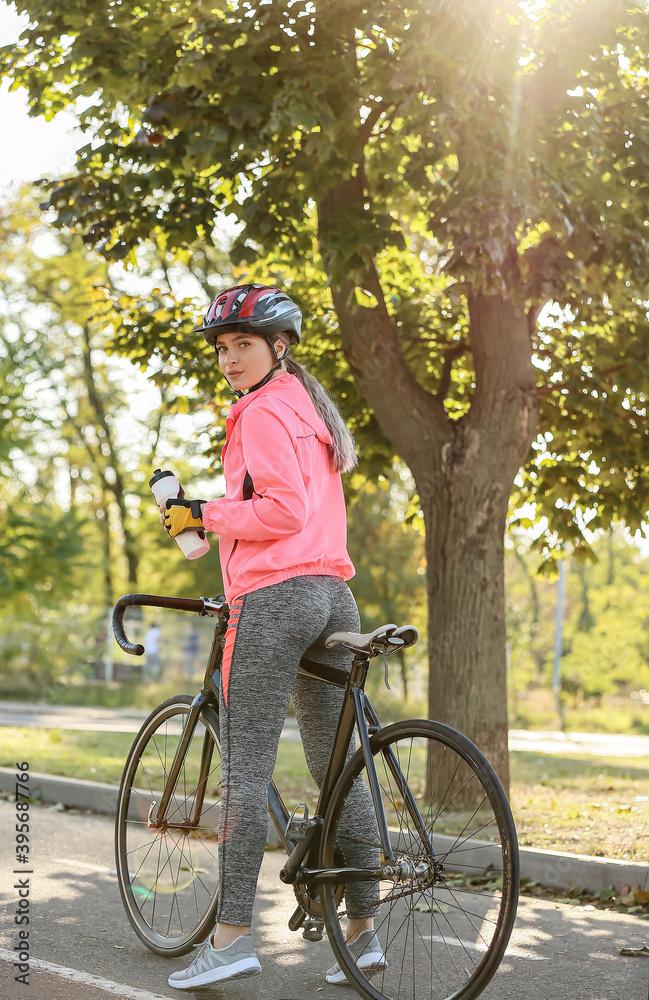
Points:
[(43, 716), (82, 948)]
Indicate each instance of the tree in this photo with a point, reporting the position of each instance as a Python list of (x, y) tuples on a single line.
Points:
[(456, 166), (39, 554), (68, 421), (605, 648), (76, 451), (388, 556), (79, 398), (42, 552)]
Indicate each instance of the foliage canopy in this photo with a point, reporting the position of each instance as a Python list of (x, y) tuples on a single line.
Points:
[(499, 148), (456, 192)]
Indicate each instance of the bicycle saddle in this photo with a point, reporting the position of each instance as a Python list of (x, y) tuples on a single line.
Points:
[(391, 634)]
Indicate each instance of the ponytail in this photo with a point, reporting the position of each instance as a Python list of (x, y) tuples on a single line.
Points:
[(343, 447)]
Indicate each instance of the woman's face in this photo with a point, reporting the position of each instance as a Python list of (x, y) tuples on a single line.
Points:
[(245, 358)]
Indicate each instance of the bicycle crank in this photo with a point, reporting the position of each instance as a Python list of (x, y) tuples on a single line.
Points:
[(310, 902)]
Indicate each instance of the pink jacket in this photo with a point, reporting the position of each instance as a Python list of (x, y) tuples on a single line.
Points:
[(283, 514)]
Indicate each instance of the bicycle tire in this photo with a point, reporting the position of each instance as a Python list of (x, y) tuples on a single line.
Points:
[(435, 948), (168, 878)]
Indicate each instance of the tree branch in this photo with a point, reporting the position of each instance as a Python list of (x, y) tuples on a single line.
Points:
[(117, 488), (367, 126), (406, 411), (451, 355), (158, 425), (591, 25), (94, 456)]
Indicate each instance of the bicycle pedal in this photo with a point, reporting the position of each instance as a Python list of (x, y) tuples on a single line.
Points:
[(313, 930), (297, 826)]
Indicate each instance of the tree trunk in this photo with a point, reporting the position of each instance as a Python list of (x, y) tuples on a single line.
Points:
[(464, 470), (467, 683), (104, 527), (465, 514), (116, 487)]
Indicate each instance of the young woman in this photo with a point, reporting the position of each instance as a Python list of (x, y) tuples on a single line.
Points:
[(282, 540)]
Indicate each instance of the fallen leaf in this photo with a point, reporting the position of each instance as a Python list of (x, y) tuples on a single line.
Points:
[(641, 896), (635, 952)]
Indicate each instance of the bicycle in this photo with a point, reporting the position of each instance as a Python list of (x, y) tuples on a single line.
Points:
[(444, 887)]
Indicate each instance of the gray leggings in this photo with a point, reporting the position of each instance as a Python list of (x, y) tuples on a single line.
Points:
[(270, 630)]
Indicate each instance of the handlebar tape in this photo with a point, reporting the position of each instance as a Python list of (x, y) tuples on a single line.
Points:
[(150, 601)]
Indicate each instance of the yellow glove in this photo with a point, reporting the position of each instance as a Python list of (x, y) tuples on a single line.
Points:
[(183, 515)]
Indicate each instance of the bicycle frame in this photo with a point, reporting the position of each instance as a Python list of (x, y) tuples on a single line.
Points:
[(357, 710)]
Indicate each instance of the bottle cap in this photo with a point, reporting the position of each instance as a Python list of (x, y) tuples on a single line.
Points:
[(158, 475)]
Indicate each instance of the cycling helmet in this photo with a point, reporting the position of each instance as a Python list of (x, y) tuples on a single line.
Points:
[(261, 309)]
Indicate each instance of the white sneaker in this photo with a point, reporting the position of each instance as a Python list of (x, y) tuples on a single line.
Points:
[(369, 956), (211, 965)]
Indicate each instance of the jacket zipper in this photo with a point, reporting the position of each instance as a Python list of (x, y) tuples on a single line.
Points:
[(227, 565), (247, 491)]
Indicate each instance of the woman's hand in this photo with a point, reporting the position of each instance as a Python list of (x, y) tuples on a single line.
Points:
[(163, 509)]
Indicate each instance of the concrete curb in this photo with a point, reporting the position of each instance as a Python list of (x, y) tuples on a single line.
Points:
[(77, 794), (551, 868)]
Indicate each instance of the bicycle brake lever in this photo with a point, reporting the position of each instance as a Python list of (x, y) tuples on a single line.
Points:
[(385, 666), (390, 641)]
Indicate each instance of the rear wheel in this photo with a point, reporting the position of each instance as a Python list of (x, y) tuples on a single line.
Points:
[(168, 877), (444, 913)]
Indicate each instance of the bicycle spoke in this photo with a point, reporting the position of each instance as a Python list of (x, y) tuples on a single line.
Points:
[(473, 832), (459, 791), (468, 914)]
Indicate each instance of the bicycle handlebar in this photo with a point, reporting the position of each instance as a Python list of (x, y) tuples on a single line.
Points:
[(150, 601)]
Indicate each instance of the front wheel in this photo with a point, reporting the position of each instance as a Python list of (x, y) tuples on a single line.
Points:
[(445, 906), (168, 876)]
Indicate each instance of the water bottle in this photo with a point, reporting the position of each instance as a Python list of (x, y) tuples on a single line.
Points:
[(165, 486)]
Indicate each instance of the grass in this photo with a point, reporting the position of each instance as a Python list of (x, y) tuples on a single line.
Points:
[(530, 709), (95, 694), (535, 709), (584, 805), (93, 756), (100, 756)]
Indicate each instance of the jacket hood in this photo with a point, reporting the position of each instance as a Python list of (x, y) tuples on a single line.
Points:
[(287, 389)]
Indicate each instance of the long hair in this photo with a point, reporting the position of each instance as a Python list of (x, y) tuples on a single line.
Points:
[(343, 446)]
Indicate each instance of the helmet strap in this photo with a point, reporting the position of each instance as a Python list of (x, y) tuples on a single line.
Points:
[(234, 392), (277, 367)]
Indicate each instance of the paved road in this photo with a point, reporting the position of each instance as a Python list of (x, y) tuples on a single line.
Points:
[(114, 720), (595, 744), (78, 930), (87, 719)]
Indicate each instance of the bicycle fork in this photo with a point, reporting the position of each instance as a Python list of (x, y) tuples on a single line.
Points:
[(156, 818)]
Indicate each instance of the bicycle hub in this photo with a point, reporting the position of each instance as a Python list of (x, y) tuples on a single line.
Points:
[(407, 872)]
